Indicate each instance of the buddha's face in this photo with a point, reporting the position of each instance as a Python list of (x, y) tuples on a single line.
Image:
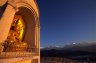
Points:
[(17, 28)]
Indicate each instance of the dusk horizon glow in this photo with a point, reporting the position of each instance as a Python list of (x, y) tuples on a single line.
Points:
[(67, 21)]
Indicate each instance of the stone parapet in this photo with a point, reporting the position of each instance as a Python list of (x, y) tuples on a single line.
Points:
[(17, 54)]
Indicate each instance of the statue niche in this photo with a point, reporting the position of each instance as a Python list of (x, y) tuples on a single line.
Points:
[(15, 36)]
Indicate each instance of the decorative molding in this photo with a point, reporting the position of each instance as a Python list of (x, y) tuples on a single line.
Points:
[(13, 4), (25, 3)]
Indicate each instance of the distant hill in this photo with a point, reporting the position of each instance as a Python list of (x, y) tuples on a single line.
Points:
[(87, 47), (74, 51)]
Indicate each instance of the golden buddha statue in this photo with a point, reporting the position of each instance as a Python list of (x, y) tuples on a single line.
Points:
[(15, 39)]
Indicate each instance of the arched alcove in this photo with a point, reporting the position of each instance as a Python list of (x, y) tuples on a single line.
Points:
[(29, 12), (30, 23)]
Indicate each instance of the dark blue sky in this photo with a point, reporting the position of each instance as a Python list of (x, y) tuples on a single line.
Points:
[(67, 21)]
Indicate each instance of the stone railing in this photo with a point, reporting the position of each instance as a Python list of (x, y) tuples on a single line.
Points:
[(16, 54), (29, 52)]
